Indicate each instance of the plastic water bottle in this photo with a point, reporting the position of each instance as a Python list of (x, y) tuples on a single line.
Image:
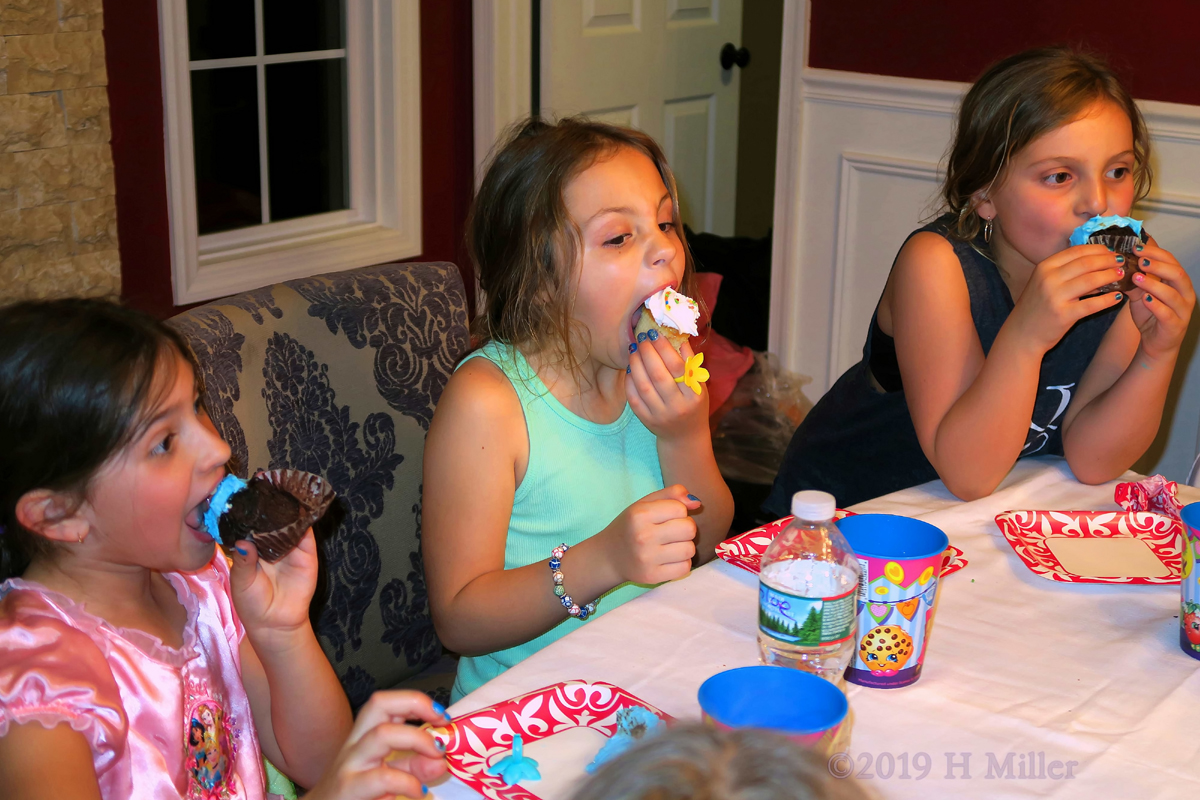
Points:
[(808, 592)]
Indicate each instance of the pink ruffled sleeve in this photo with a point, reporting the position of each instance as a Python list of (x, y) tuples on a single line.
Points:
[(51, 672)]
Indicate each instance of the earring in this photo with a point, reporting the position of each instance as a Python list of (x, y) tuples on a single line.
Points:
[(987, 231)]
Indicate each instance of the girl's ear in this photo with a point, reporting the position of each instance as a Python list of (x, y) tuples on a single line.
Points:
[(53, 515), (983, 205)]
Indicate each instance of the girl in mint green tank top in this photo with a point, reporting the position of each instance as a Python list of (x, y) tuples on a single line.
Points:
[(568, 467)]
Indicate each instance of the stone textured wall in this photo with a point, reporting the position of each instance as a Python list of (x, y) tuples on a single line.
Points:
[(58, 216)]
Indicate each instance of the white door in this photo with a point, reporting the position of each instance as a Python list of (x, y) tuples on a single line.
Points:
[(654, 65)]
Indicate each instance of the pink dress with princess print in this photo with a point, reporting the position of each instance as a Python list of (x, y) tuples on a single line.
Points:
[(162, 723)]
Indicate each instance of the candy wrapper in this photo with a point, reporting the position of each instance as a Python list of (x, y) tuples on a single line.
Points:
[(1156, 494)]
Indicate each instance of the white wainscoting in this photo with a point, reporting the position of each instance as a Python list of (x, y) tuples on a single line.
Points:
[(858, 169)]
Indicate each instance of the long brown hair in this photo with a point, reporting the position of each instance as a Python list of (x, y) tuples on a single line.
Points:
[(1017, 100), (523, 242)]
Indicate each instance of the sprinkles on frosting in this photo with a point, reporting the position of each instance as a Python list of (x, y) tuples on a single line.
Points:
[(672, 309)]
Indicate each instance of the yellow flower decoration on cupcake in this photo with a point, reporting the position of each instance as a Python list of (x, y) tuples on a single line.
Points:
[(693, 374)]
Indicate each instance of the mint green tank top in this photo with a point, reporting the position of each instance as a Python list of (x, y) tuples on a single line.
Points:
[(581, 475)]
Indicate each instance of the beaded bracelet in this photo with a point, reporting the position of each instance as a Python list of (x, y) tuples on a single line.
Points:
[(561, 593)]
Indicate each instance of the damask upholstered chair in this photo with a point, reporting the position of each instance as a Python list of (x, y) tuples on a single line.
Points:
[(338, 375)]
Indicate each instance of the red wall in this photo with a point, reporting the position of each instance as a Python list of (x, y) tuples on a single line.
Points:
[(139, 158), (1152, 46)]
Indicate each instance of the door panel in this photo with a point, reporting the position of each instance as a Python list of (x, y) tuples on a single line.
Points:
[(654, 65)]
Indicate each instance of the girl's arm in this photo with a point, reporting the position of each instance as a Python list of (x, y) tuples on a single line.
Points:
[(971, 412), (475, 455), (38, 763), (679, 419), (300, 709), (1118, 406)]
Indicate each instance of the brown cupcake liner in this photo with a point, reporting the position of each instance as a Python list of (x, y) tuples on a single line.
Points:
[(315, 496)]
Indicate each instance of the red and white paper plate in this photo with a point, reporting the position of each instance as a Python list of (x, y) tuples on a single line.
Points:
[(1032, 535), (746, 549), (477, 740)]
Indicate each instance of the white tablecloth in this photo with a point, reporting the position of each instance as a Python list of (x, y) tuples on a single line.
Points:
[(1018, 664)]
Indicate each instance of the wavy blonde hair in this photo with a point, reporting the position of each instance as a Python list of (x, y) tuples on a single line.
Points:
[(523, 242), (1017, 100)]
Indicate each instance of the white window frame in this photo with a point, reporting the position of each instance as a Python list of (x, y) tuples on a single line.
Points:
[(383, 66)]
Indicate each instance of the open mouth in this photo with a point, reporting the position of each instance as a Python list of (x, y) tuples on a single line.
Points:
[(637, 310), (195, 517)]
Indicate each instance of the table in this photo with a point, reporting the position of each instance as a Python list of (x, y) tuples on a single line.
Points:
[(1017, 664)]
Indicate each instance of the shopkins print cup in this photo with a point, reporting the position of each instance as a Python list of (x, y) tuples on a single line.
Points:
[(1189, 582), (900, 560), (807, 709)]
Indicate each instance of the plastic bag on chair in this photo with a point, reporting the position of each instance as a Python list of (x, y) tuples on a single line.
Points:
[(752, 428)]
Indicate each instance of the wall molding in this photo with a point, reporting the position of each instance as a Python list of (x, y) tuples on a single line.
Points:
[(1181, 205), (782, 326), (860, 90), (851, 166), (502, 45)]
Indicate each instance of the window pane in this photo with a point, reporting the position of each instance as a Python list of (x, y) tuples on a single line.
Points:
[(308, 161), (295, 26), (225, 138), (220, 29)]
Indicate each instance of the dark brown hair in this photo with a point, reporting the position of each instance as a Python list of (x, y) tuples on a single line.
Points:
[(1017, 100), (78, 382), (522, 240)]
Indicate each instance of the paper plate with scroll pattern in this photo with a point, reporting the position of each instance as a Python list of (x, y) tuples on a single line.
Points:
[(477, 740), (1027, 532)]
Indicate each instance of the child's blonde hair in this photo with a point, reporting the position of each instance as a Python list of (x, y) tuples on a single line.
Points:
[(697, 762), (522, 240), (1017, 100)]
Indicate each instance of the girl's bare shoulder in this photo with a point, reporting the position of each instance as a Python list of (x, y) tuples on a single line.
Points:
[(478, 397), (926, 255), (926, 265)]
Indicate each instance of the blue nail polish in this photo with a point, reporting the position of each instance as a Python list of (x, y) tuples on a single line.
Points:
[(1139, 248), (438, 708), (642, 337), (652, 335), (240, 550), (1145, 262), (1120, 259), (440, 745), (1149, 298), (628, 370), (693, 498), (424, 789), (633, 347), (1118, 297)]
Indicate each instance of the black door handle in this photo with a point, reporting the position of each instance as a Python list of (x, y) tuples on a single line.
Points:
[(731, 55)]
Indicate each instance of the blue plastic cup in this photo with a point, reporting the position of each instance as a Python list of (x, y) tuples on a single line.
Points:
[(900, 560), (798, 705), (1189, 582)]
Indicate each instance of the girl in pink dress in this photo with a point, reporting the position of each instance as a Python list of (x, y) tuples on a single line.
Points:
[(134, 662)]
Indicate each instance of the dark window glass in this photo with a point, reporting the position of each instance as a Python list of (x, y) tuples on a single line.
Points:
[(297, 26), (220, 29), (225, 138), (308, 162)]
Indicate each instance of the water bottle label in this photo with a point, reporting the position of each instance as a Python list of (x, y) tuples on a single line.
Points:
[(806, 621)]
